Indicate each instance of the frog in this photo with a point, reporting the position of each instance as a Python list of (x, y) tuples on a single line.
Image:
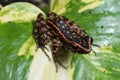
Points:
[(63, 33)]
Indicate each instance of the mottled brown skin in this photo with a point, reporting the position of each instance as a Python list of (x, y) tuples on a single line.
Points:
[(70, 34), (63, 33), (41, 34)]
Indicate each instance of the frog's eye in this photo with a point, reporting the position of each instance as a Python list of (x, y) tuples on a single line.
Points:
[(91, 40), (87, 39)]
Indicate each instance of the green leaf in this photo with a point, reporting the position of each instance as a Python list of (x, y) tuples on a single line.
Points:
[(102, 23), (58, 5), (61, 6), (16, 24)]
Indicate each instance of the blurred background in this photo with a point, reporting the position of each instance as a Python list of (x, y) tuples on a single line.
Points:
[(39, 3)]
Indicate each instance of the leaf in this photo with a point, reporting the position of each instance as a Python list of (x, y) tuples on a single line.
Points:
[(102, 23), (100, 20), (68, 5), (58, 5), (15, 28)]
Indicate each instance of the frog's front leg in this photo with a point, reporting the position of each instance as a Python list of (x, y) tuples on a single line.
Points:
[(56, 45)]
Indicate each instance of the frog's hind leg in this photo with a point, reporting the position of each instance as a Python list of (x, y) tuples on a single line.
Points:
[(55, 47), (41, 33)]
